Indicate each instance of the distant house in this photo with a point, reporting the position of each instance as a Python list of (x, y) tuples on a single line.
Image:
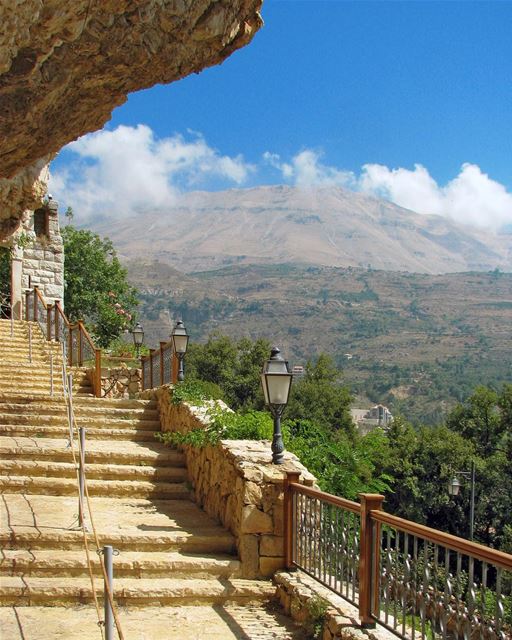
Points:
[(368, 419), (298, 371)]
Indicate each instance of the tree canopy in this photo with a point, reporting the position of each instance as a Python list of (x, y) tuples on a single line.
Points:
[(96, 288)]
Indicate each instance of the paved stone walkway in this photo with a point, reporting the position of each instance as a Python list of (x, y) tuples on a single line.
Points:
[(230, 622)]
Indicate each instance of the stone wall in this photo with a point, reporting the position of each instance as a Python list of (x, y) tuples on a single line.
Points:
[(43, 258), (236, 483), (303, 598), (121, 382)]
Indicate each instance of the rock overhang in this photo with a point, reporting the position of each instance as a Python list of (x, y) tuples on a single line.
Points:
[(65, 66)]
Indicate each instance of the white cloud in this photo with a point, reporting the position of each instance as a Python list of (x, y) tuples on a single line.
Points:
[(306, 170), (129, 169), (471, 198)]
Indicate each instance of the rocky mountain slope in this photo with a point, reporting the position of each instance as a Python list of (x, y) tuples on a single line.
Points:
[(327, 226)]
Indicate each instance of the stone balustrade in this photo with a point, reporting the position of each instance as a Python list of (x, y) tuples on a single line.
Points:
[(236, 483)]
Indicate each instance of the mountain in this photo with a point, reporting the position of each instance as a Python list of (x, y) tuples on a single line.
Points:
[(326, 226), (417, 342)]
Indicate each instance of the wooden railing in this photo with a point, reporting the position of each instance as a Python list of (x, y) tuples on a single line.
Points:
[(416, 581), (160, 366), (78, 346)]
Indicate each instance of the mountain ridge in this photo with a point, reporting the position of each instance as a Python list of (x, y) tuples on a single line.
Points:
[(326, 226)]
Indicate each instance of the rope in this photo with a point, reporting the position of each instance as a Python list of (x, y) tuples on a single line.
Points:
[(95, 534), (80, 507)]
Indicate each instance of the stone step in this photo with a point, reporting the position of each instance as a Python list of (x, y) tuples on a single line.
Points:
[(210, 541), (105, 488), (106, 472), (260, 620), (52, 408), (55, 431), (118, 403), (134, 564), (93, 422), (30, 591), (97, 451)]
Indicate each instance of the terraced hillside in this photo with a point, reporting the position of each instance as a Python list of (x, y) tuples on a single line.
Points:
[(415, 341)]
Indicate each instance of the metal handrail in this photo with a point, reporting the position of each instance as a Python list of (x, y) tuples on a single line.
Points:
[(454, 543)]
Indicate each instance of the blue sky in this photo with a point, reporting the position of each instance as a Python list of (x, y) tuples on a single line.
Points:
[(324, 90)]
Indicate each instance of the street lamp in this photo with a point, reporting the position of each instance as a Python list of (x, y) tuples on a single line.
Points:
[(138, 337), (454, 487), (276, 380), (180, 337)]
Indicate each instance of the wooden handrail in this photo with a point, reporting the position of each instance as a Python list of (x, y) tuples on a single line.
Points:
[(474, 549), (349, 505), (83, 334)]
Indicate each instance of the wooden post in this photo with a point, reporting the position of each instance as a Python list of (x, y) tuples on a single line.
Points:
[(49, 310), (35, 304), (162, 345), (369, 558), (80, 345), (97, 373), (175, 365), (288, 525), (56, 307), (70, 345), (151, 352)]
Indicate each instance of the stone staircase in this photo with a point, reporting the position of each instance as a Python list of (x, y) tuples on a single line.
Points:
[(170, 553)]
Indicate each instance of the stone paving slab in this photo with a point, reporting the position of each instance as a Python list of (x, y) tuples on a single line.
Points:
[(231, 622), (39, 514)]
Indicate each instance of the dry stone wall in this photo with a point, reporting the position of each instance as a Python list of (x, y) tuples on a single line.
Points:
[(120, 382), (236, 483)]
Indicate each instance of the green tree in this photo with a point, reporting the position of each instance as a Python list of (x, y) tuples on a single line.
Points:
[(96, 288), (233, 365), (320, 397)]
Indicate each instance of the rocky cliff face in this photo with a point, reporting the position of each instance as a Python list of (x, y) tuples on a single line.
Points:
[(65, 65)]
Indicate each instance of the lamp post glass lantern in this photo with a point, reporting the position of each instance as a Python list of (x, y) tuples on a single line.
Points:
[(180, 338), (138, 337), (276, 380), (454, 489)]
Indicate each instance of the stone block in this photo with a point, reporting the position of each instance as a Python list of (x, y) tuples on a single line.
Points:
[(249, 555), (272, 545), (252, 493), (269, 565), (278, 518), (255, 521)]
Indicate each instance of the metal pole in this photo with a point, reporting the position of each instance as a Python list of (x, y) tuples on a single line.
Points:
[(51, 374), (81, 493), (277, 439), (70, 407), (472, 503), (181, 371), (108, 554), (30, 343)]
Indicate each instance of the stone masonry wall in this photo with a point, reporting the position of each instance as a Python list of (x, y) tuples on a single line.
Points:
[(121, 382), (236, 483), (43, 259)]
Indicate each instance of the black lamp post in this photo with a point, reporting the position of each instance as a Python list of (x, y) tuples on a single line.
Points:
[(276, 380), (180, 343), (138, 337), (454, 488)]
